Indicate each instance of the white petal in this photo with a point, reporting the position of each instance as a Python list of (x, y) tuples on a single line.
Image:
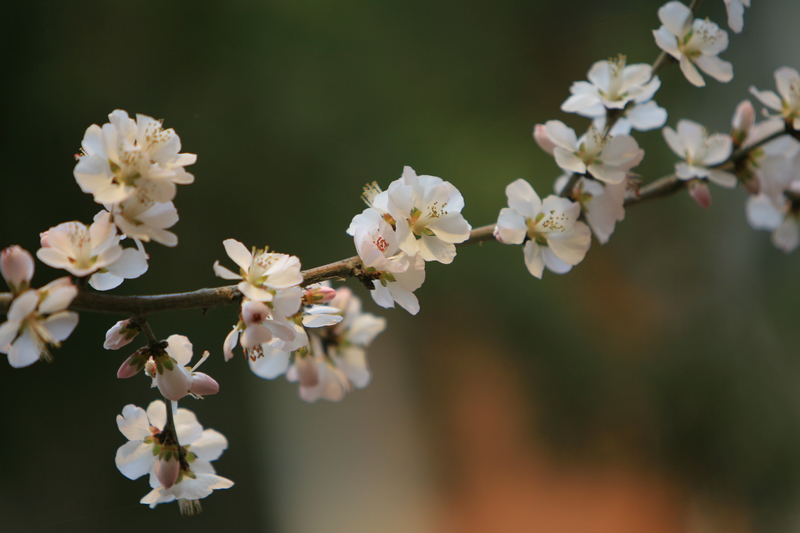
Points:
[(722, 178), (511, 226), (676, 17), (646, 117), (23, 351), (667, 42), (534, 259), (768, 98), (762, 214), (523, 199), (787, 236), (133, 423), (210, 445), (180, 348), (271, 364), (785, 78), (135, 459), (239, 253), (571, 246), (224, 273), (553, 263), (691, 73), (715, 67), (60, 325), (561, 135), (569, 161)]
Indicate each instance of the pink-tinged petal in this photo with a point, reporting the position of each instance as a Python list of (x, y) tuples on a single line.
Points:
[(203, 385), (571, 246), (210, 445), (23, 351), (722, 178), (353, 363), (180, 348), (133, 423), (60, 325), (135, 458), (541, 138), (674, 141), (534, 259), (230, 343), (553, 263), (224, 273), (365, 329), (239, 253), (677, 17), (700, 193), (667, 42), (174, 384), (768, 98), (167, 471), (744, 117), (787, 236), (17, 267), (434, 249), (762, 213), (561, 135), (568, 161), (691, 73), (523, 199), (785, 78), (715, 67), (287, 301), (60, 294), (646, 117)]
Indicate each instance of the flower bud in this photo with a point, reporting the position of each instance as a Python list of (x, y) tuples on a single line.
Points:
[(121, 334), (542, 139), (168, 468), (307, 373), (16, 265), (254, 312), (743, 120), (203, 385), (699, 192), (319, 295), (172, 379)]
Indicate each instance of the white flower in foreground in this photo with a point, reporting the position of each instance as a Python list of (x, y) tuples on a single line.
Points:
[(552, 234), (700, 152), (783, 221), (125, 154), (694, 44), (131, 264), (788, 103), (603, 205), (262, 272), (80, 250), (736, 14), (37, 320), (606, 159), (425, 211), (612, 85), (376, 242), (16, 266), (150, 444)]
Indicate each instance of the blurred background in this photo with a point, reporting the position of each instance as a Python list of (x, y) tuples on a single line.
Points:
[(654, 388)]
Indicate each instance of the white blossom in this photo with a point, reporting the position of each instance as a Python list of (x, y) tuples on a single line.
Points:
[(551, 231), (606, 159), (782, 220), (38, 319), (736, 14), (701, 152), (613, 85), (143, 218), (261, 271), (125, 154), (603, 205), (16, 266), (787, 104), (694, 44), (80, 250)]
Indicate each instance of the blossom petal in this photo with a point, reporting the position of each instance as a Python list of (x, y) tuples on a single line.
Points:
[(667, 41), (133, 423), (787, 236), (239, 253), (561, 135), (715, 67), (210, 445), (768, 98), (722, 178), (134, 459), (534, 259), (511, 226), (61, 324), (676, 16), (523, 199), (691, 73)]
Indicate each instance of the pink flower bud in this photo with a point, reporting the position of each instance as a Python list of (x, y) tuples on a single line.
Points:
[(497, 237), (172, 379), (254, 312), (167, 470), (307, 371), (319, 295), (16, 265), (743, 120), (134, 363), (121, 334), (699, 192), (542, 139), (203, 385)]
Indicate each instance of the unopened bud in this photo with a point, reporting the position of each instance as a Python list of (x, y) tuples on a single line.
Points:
[(542, 139), (16, 265), (134, 363), (307, 371), (699, 192), (743, 120), (203, 385), (254, 312), (121, 334), (319, 295), (168, 468)]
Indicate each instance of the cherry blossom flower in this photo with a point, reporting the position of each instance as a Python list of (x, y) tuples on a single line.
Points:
[(782, 220), (425, 211), (80, 250), (376, 243), (607, 160), (143, 218), (121, 334), (700, 152), (130, 265), (603, 205), (641, 117), (694, 44), (151, 448), (16, 266), (788, 103), (124, 154), (613, 85), (552, 234), (262, 272), (38, 319), (736, 14)]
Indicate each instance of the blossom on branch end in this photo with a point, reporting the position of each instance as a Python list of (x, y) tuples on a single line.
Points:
[(701, 152)]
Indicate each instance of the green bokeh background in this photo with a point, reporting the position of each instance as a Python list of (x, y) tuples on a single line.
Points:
[(673, 347)]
